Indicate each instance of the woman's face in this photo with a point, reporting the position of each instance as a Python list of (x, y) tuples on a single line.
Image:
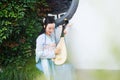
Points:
[(50, 28)]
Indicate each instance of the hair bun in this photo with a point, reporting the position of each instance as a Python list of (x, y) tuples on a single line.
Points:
[(48, 19), (43, 20)]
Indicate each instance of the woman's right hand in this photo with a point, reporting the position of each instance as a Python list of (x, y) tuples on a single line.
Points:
[(57, 51)]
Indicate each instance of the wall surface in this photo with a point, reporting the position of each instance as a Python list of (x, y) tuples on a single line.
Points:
[(94, 38)]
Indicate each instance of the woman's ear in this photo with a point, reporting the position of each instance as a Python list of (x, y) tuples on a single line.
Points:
[(44, 26)]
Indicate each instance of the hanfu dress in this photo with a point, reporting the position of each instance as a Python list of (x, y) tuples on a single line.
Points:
[(45, 46), (44, 54)]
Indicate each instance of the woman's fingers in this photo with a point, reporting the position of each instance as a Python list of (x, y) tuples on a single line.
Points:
[(57, 50), (65, 31), (69, 25), (53, 45)]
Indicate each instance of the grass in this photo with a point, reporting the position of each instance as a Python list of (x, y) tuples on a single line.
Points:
[(28, 72)]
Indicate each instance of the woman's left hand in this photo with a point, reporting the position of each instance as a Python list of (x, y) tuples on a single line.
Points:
[(65, 31), (67, 26)]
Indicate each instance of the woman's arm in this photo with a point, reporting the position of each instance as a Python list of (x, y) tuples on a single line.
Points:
[(39, 48), (57, 33), (41, 51)]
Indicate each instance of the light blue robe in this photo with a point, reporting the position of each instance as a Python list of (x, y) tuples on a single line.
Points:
[(44, 54)]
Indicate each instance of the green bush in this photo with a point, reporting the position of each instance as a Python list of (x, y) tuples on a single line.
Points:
[(19, 27), (20, 24), (28, 72)]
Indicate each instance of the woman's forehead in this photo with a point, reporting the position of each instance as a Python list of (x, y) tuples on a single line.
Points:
[(51, 25)]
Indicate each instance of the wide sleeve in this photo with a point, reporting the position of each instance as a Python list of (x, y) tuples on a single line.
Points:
[(58, 31), (39, 47), (42, 49)]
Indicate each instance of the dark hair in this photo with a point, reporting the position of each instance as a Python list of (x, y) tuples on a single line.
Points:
[(48, 20)]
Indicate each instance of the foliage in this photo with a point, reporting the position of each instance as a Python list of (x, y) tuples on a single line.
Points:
[(28, 72), (20, 24), (19, 28)]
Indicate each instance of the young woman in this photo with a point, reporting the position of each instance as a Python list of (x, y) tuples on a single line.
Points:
[(46, 48)]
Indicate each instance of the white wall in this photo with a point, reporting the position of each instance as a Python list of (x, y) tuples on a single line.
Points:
[(94, 38)]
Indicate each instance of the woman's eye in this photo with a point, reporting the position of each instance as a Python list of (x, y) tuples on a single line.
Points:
[(49, 28)]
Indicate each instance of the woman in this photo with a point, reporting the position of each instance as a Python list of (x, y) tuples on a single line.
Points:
[(46, 48)]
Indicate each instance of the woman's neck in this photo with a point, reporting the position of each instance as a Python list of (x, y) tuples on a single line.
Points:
[(47, 34)]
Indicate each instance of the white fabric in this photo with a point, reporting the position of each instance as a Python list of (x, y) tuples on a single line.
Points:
[(44, 45)]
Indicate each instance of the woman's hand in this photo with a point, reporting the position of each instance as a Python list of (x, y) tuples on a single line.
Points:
[(57, 51), (66, 29), (53, 45)]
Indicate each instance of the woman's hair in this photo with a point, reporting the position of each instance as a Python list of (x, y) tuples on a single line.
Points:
[(46, 21)]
